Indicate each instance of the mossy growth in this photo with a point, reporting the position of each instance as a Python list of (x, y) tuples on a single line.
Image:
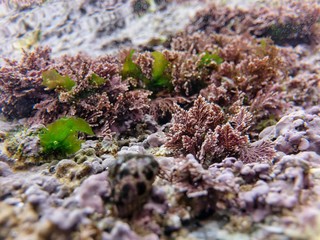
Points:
[(266, 123), (61, 136), (208, 58), (286, 33), (160, 78), (130, 69), (96, 80), (52, 80)]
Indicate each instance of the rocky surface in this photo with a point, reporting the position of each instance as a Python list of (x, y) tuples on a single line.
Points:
[(268, 200), (92, 27)]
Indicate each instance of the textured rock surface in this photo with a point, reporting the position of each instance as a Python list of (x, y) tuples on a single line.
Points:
[(93, 27)]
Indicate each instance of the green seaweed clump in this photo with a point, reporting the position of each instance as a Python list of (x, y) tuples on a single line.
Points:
[(52, 79), (130, 69), (159, 76), (208, 58), (160, 79), (61, 136), (96, 80)]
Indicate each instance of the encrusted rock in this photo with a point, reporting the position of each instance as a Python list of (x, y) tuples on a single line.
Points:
[(93, 191), (132, 179)]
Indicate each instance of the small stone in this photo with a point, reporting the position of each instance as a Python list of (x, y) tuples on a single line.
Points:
[(92, 191), (97, 167), (108, 161), (265, 177), (315, 172), (314, 110), (65, 219), (155, 139), (173, 221), (238, 165), (229, 162), (304, 144), (261, 188), (248, 197), (289, 201), (267, 133), (225, 176), (273, 198), (50, 185), (4, 169), (131, 150), (246, 170), (261, 167), (298, 123), (294, 138)]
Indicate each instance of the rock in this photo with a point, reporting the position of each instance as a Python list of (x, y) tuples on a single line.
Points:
[(132, 178), (5, 169), (92, 192)]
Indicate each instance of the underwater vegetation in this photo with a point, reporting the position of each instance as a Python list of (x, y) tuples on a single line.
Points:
[(61, 136), (52, 79), (292, 22), (245, 80), (159, 79), (218, 123), (206, 132)]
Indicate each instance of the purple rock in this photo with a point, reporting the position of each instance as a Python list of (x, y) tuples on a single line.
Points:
[(229, 162), (294, 138), (298, 123), (65, 219), (261, 188), (261, 167), (238, 165), (273, 198), (35, 195), (225, 176), (156, 139), (92, 191), (289, 201), (304, 144), (4, 169), (246, 170)]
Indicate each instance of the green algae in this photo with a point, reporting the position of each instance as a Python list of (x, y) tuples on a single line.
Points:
[(52, 79), (61, 136)]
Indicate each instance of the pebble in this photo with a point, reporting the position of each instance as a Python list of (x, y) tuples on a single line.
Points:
[(273, 198), (5, 169), (304, 144), (261, 167), (225, 176), (92, 192)]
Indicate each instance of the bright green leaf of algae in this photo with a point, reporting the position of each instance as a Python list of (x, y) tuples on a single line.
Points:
[(159, 76), (52, 79), (61, 136), (130, 69), (208, 58)]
